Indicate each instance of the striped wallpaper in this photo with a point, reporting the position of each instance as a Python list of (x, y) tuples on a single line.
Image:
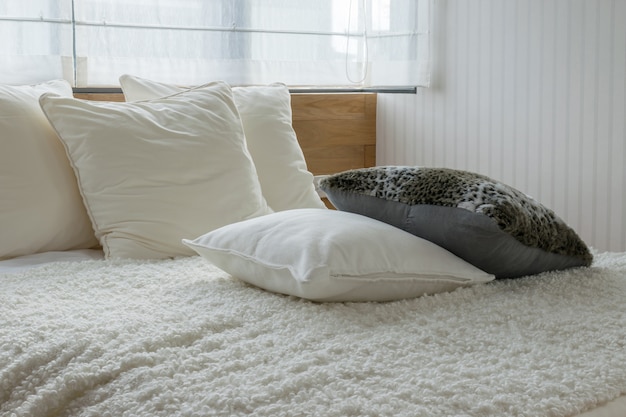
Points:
[(530, 92)]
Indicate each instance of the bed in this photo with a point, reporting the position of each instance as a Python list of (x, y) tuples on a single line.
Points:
[(177, 335)]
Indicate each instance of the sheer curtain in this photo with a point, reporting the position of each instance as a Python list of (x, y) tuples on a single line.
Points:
[(360, 43), (35, 41)]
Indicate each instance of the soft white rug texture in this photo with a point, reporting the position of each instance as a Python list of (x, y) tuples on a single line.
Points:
[(182, 338)]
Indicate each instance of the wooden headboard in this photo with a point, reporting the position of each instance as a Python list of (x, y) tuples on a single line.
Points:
[(337, 131)]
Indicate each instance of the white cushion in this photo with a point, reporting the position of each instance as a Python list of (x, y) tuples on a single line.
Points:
[(328, 255), (41, 209), (266, 115), (154, 172)]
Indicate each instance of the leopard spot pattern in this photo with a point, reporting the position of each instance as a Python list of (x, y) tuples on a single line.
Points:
[(527, 220)]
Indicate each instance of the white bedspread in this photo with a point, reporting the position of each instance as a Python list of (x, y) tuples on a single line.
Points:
[(168, 338)]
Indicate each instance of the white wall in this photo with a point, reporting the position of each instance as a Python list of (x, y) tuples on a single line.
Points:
[(529, 92)]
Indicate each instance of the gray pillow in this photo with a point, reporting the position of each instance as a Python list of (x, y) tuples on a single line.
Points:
[(489, 224)]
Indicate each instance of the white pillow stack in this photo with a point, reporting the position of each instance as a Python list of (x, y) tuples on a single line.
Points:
[(217, 165), (40, 206)]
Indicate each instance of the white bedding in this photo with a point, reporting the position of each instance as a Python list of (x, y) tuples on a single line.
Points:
[(22, 263), (181, 337)]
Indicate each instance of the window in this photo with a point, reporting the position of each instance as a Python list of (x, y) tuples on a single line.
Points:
[(300, 42)]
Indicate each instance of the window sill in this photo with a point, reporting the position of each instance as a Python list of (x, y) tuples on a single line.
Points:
[(293, 90)]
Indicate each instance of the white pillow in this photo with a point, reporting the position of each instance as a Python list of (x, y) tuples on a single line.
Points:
[(154, 172), (328, 255), (266, 115), (41, 209)]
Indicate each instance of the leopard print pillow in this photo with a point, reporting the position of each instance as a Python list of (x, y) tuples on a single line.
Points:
[(491, 214)]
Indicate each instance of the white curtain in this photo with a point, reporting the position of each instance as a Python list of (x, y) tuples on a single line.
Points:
[(362, 43)]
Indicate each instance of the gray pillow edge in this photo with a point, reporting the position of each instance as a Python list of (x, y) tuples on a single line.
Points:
[(474, 237)]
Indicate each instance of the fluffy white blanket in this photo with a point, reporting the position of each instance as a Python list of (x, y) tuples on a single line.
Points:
[(180, 337)]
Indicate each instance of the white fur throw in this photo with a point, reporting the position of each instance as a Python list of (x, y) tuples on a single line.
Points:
[(181, 338)]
